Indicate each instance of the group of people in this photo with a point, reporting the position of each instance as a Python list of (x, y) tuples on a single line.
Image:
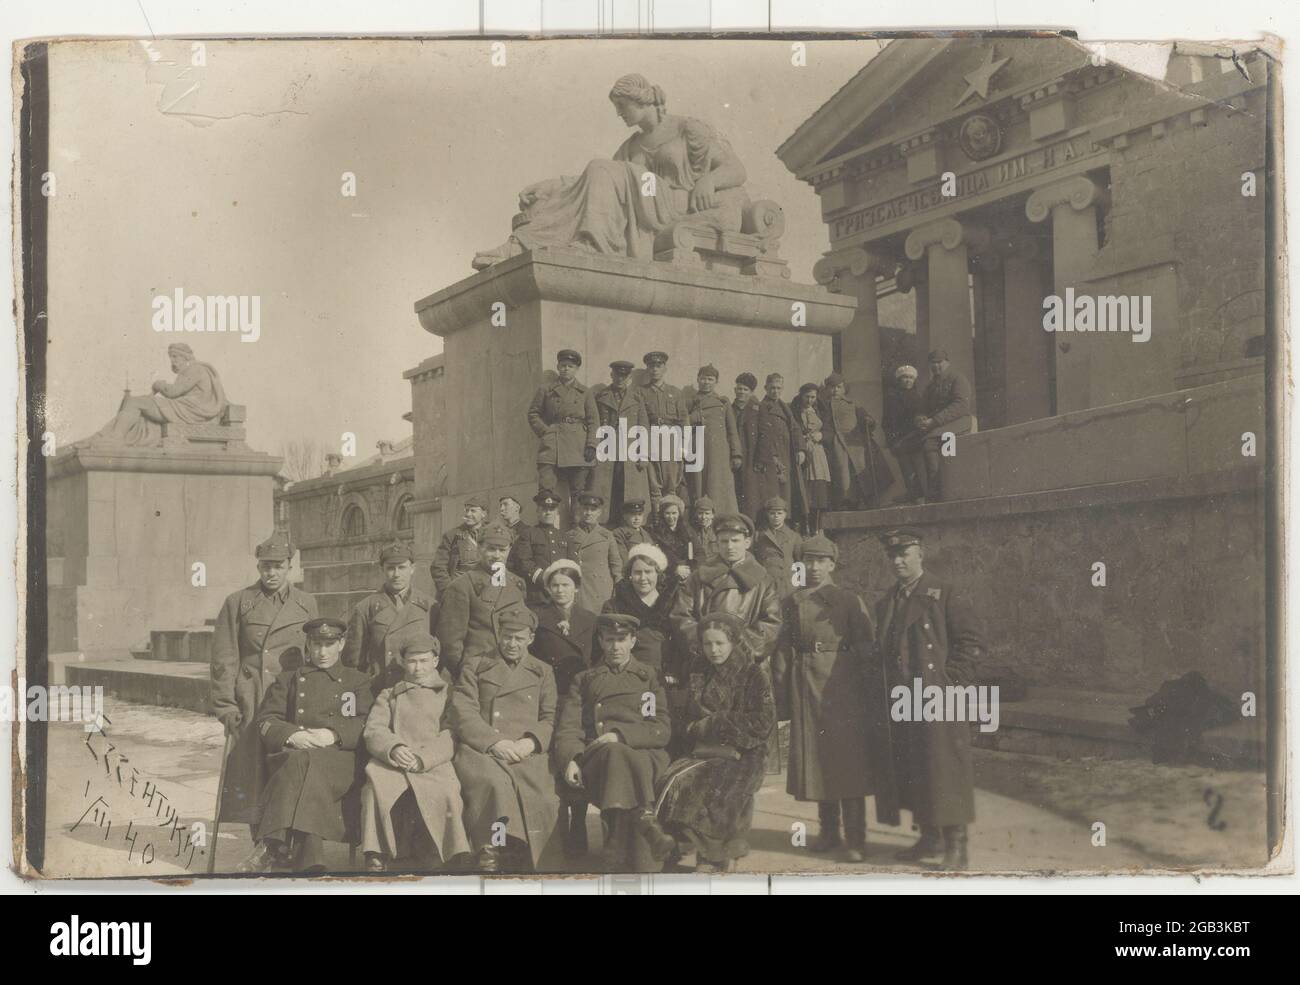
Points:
[(816, 452), (475, 726)]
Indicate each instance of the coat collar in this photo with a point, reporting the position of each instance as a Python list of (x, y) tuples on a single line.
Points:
[(334, 671), (501, 674), (401, 687), (634, 667), (747, 572)]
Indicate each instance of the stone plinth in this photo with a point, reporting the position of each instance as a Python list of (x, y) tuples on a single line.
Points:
[(124, 528), (607, 308)]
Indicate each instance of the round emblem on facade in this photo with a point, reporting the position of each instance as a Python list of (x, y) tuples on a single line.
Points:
[(980, 137)]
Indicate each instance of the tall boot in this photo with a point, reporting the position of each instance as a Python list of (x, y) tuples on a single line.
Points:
[(828, 825), (855, 828), (955, 849), (575, 836), (929, 847)]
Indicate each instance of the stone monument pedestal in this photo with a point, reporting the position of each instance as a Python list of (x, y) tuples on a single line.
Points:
[(502, 327), (125, 527)]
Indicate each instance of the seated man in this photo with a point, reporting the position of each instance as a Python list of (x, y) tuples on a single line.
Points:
[(411, 804), (502, 716), (612, 742), (310, 722), (195, 396)]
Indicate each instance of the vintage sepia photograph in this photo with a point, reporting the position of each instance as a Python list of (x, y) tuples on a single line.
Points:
[(837, 455)]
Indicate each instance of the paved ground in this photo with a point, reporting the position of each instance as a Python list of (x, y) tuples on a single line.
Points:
[(125, 804)]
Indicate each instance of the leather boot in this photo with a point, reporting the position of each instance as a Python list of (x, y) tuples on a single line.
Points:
[(855, 828), (929, 847), (828, 827), (661, 843), (954, 849), (489, 859), (575, 836), (263, 857)]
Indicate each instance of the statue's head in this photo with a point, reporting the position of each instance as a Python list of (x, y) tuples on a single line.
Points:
[(634, 95), (181, 355)]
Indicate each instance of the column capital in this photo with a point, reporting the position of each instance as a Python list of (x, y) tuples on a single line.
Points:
[(1078, 192), (948, 233), (855, 261)]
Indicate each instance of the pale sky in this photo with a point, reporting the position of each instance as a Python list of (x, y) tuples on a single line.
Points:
[(226, 180)]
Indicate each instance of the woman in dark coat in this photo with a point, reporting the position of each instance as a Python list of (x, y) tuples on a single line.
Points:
[(673, 535), (647, 591), (706, 800), (902, 407), (565, 637), (814, 466)]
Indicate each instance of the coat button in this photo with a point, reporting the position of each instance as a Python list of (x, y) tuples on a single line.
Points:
[(926, 626), (929, 666), (929, 646), (496, 714)]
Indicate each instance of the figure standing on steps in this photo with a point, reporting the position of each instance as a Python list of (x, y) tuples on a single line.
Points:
[(930, 635), (827, 679)]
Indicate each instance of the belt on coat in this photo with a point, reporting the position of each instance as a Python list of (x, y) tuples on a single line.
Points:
[(818, 647), (569, 420)]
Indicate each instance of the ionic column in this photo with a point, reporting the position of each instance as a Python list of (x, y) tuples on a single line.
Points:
[(945, 246), (1072, 205), (854, 271)]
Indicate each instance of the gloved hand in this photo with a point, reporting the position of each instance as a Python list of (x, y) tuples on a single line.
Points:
[(232, 721)]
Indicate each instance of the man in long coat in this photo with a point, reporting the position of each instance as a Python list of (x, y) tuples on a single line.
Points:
[(503, 717), (310, 725), (611, 742), (827, 679), (458, 550), (665, 406), (565, 426), (777, 443), (732, 582), (382, 620), (777, 545), (412, 795), (465, 626), (539, 546), (748, 485), (721, 449), (618, 405), (258, 635), (930, 635), (596, 551), (860, 475), (949, 405)]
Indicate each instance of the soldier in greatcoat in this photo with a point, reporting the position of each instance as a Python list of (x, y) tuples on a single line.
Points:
[(258, 635), (618, 405), (826, 675), (503, 718), (382, 620), (732, 582), (748, 494), (458, 550), (721, 450), (860, 475), (778, 439), (596, 551), (611, 742), (310, 725), (565, 425), (777, 545), (411, 804), (465, 625), (931, 634), (539, 546), (665, 406)]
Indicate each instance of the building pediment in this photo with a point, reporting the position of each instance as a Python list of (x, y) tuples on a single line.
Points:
[(918, 86)]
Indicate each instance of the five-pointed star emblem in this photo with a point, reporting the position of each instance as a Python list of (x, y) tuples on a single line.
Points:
[(980, 78)]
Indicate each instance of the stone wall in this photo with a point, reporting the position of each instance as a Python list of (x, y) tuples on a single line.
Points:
[(1185, 581)]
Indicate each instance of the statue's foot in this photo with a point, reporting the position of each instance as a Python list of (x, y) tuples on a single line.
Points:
[(487, 258)]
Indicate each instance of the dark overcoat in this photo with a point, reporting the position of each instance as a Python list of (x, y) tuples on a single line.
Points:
[(721, 443), (465, 627), (657, 645), (495, 701), (257, 636), (630, 703), (567, 649), (533, 552), (457, 553), (306, 788), (639, 480), (596, 552), (775, 460), (749, 484), (777, 551), (939, 639), (378, 628), (826, 672), (860, 475)]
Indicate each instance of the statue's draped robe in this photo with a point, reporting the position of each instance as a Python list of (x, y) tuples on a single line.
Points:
[(608, 209), (203, 398)]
